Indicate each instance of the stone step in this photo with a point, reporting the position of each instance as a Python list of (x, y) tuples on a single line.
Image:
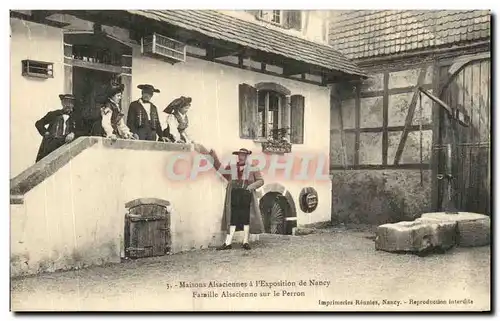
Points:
[(416, 236), (473, 229)]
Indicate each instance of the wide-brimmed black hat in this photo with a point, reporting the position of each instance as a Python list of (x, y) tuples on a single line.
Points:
[(67, 96), (242, 151), (177, 104), (114, 89), (148, 87)]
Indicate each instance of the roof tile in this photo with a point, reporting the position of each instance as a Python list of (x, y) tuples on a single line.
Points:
[(221, 26), (403, 28)]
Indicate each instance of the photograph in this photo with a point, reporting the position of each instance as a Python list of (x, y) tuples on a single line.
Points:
[(203, 160)]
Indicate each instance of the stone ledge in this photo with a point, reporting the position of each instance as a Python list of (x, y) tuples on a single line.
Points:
[(147, 201), (38, 172), (145, 145)]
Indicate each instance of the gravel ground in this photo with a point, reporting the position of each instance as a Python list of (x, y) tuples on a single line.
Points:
[(344, 261)]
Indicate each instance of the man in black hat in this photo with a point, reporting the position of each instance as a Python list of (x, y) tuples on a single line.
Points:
[(241, 206), (57, 127), (143, 117)]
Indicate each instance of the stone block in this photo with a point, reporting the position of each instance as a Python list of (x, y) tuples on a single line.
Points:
[(473, 229), (416, 236)]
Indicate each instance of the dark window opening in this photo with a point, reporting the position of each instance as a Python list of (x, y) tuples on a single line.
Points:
[(37, 69)]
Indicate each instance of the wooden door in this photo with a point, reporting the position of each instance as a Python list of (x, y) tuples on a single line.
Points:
[(147, 231), (468, 90)]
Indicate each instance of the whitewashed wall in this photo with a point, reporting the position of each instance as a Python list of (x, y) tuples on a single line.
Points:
[(32, 98)]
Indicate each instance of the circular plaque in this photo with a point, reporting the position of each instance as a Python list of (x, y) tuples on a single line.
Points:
[(308, 199)]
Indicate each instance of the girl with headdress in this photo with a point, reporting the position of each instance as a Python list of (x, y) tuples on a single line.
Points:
[(111, 124), (177, 121)]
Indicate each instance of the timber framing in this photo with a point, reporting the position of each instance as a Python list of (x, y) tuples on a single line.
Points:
[(380, 167), (385, 121), (409, 117), (386, 128), (388, 92)]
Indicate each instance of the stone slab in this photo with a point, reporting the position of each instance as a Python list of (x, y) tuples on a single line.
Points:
[(415, 236), (473, 229)]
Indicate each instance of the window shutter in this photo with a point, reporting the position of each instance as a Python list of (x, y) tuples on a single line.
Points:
[(285, 113), (293, 19), (297, 119), (248, 111)]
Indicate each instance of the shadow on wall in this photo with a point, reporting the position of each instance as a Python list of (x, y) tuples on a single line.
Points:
[(378, 197)]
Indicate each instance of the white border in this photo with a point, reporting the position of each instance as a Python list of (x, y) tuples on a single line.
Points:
[(184, 4)]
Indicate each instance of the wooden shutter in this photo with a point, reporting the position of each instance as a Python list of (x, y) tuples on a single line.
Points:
[(248, 111), (293, 19), (285, 113), (297, 119)]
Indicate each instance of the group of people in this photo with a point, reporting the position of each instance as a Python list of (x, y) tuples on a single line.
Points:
[(58, 127), (62, 126)]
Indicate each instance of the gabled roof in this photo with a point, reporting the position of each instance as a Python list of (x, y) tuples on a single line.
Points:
[(245, 33), (372, 33)]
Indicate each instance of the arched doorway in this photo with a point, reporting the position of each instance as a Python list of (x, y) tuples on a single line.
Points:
[(467, 88), (278, 210), (273, 207)]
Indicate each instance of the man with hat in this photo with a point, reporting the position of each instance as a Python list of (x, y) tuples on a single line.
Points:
[(177, 121), (111, 123), (57, 127), (143, 117), (241, 205)]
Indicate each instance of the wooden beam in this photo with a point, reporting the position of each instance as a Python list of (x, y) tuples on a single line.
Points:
[(409, 116), (391, 129), (37, 19), (460, 116), (385, 119), (40, 14), (357, 121), (94, 65), (258, 70), (392, 91), (295, 69), (381, 167)]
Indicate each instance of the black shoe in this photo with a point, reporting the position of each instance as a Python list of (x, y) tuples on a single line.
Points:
[(224, 247), (246, 246)]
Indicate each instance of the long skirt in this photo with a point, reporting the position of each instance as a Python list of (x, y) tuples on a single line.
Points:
[(240, 207)]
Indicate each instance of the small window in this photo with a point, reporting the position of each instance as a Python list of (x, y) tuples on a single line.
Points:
[(269, 122), (270, 114), (37, 69), (274, 16)]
